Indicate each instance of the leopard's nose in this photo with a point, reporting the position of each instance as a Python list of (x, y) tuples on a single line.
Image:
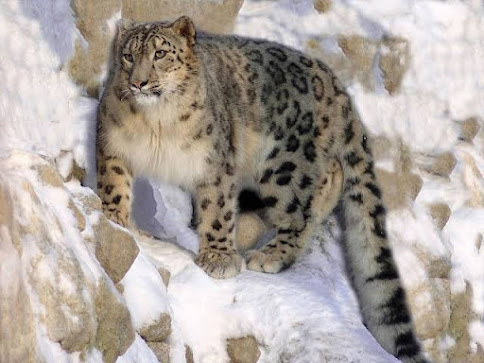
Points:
[(139, 84)]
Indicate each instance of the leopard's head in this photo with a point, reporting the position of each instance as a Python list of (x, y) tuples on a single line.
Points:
[(154, 60)]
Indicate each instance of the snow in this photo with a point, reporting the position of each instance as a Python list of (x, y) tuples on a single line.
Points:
[(209, 311), (309, 310), (138, 352), (32, 118), (144, 292), (462, 230)]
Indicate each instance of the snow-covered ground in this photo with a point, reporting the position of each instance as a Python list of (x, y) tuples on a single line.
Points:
[(308, 313)]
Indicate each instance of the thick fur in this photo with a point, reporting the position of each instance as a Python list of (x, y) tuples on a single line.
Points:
[(215, 114)]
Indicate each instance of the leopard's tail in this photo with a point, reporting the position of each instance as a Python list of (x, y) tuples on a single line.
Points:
[(369, 255)]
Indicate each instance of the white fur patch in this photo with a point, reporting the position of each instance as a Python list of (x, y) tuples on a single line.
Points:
[(145, 100), (156, 146)]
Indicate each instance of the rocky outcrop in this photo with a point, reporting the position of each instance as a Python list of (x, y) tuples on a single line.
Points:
[(77, 302)]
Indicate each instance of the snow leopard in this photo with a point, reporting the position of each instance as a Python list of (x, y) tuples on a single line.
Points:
[(218, 114)]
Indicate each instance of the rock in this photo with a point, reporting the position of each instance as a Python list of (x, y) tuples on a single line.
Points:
[(17, 324), (48, 175), (115, 331), (89, 200), (469, 129), (439, 268), (165, 275), (81, 221), (398, 188), (436, 266), (382, 147), (440, 213), (392, 53), (69, 318), (478, 242), (116, 249), (76, 173), (442, 165), (322, 6), (243, 350), (211, 16), (89, 59), (472, 179), (158, 330), (460, 318), (119, 286), (360, 52), (68, 168), (189, 354), (432, 316), (76, 304), (394, 60), (161, 350), (66, 313), (18, 331), (401, 186), (250, 228)]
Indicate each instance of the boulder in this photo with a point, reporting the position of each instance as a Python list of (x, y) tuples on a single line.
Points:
[(115, 331), (469, 129), (440, 213), (161, 350), (243, 350), (116, 249), (158, 330)]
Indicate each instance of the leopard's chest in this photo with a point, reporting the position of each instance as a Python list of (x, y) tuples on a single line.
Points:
[(166, 156)]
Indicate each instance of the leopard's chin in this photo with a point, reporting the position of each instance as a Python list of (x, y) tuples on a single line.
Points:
[(146, 100)]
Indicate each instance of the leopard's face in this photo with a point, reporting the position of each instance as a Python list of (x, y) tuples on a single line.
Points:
[(155, 61)]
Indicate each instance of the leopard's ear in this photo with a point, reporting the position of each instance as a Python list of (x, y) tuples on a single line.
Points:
[(184, 26)]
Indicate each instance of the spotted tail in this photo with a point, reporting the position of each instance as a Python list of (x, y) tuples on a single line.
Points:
[(370, 261)]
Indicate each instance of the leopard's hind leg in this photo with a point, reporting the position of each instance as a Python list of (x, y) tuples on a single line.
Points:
[(294, 210)]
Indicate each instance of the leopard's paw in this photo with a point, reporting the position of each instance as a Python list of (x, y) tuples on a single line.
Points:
[(116, 215), (270, 262), (219, 264)]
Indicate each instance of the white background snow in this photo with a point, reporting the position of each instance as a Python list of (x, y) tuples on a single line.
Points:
[(308, 313)]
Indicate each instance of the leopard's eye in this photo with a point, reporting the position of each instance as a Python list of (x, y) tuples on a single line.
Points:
[(160, 54), (128, 57)]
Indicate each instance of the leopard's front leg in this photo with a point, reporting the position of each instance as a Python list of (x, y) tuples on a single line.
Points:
[(114, 187), (215, 209)]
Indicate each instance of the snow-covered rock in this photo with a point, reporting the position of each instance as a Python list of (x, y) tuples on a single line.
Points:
[(54, 290)]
